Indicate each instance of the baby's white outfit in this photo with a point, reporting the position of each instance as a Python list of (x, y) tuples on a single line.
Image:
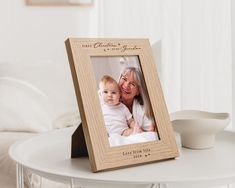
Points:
[(115, 118)]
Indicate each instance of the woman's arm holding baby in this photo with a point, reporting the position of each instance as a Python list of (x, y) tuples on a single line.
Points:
[(133, 128)]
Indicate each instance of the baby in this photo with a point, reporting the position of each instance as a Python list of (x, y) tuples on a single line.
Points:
[(117, 117)]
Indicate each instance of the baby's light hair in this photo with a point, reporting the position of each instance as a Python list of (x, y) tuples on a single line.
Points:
[(106, 79)]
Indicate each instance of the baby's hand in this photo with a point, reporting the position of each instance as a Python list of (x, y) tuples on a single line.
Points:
[(152, 128), (137, 129)]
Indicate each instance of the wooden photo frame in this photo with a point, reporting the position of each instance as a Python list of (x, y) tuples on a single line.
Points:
[(102, 67), (60, 2)]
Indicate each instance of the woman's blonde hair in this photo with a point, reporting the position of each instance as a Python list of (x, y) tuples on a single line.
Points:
[(143, 97)]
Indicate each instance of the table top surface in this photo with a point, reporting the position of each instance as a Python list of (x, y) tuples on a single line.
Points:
[(48, 154)]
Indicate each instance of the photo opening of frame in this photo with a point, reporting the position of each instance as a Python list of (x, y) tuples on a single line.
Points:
[(124, 100)]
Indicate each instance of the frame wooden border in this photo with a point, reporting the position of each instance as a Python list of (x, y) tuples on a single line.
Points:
[(58, 3), (101, 155)]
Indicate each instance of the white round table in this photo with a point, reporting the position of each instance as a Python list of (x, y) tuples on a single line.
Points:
[(48, 155)]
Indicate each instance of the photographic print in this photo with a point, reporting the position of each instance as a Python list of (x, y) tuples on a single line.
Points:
[(124, 116), (124, 100)]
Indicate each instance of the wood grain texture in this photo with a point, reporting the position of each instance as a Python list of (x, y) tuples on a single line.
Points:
[(101, 155)]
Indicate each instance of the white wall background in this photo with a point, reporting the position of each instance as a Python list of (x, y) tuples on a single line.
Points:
[(35, 35), (206, 55), (233, 58), (30, 33)]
